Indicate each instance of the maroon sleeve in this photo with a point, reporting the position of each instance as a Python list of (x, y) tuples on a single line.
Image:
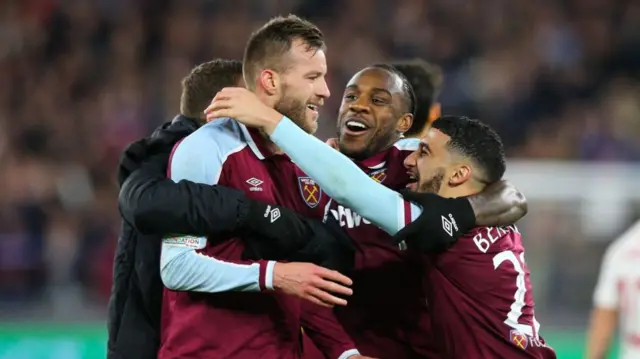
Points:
[(322, 327)]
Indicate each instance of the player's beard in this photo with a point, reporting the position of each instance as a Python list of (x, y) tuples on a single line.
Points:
[(434, 184), (295, 110)]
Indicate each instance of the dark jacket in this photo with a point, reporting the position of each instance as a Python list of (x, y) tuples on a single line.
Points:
[(152, 205)]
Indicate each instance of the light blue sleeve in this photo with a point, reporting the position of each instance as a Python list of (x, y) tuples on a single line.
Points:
[(342, 180), (199, 158)]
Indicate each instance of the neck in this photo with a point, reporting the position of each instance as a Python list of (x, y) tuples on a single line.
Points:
[(389, 144), (270, 145), (267, 100)]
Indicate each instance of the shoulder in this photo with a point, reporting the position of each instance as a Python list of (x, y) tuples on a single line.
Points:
[(403, 148), (627, 243), (407, 144), (222, 136), (206, 150)]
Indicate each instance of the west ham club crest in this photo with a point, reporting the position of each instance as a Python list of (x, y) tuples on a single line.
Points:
[(310, 191), (379, 175), (519, 339)]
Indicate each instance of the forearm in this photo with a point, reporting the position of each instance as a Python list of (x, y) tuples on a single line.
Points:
[(325, 331), (339, 177), (499, 204), (601, 330), (155, 204), (183, 269)]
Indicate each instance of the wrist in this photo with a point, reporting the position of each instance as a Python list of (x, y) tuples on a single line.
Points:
[(276, 281), (271, 121), (464, 213), (266, 277)]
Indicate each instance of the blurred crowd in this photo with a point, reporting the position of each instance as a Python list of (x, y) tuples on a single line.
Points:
[(80, 79)]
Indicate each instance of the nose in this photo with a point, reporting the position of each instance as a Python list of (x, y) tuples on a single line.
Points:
[(359, 105), (410, 161), (322, 89)]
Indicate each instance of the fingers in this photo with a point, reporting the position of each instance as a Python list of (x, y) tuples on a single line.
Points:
[(326, 298), (218, 104), (318, 301), (334, 276), (218, 109), (333, 287)]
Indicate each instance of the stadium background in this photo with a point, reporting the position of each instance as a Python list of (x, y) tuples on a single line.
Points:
[(79, 79)]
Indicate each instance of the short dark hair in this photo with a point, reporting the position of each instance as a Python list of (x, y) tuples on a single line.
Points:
[(426, 79), (204, 81), (410, 96), (477, 141), (268, 44)]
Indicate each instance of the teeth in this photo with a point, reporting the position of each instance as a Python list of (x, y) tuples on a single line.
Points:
[(312, 107), (356, 124)]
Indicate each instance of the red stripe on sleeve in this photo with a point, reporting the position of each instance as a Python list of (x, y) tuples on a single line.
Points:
[(173, 150), (407, 212), (262, 277)]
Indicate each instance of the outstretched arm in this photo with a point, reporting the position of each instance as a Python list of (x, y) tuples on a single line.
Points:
[(342, 180), (337, 175), (155, 204)]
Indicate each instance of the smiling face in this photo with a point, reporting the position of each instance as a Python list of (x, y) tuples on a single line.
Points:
[(303, 87), (429, 164), (373, 113)]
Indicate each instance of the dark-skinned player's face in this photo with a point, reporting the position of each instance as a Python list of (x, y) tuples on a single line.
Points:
[(373, 114)]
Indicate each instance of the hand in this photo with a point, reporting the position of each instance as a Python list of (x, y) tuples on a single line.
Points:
[(311, 282), (499, 204), (333, 143), (438, 227), (243, 106)]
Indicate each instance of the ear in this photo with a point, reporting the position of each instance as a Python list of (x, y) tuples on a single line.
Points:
[(404, 123), (269, 81), (460, 175)]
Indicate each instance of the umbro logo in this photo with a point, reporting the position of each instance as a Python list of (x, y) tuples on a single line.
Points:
[(272, 214), (449, 224), (255, 184)]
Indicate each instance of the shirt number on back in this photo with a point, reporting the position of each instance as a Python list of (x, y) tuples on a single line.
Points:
[(519, 298)]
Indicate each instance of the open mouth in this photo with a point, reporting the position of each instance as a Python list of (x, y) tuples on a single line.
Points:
[(312, 107), (356, 126), (413, 180)]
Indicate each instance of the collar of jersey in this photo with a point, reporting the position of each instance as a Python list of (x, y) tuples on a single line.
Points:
[(257, 143)]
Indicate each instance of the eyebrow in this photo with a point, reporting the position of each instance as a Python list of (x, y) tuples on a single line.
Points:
[(375, 89)]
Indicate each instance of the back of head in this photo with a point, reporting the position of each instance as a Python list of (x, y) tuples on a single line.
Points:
[(476, 142), (268, 46), (426, 80), (204, 81)]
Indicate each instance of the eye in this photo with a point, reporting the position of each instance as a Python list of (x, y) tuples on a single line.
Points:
[(349, 97), (424, 151), (378, 101)]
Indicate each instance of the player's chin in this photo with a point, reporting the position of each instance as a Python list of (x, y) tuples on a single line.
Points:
[(352, 147), (412, 186), (311, 124)]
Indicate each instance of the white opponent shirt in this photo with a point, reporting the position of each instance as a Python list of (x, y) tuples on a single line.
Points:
[(619, 288)]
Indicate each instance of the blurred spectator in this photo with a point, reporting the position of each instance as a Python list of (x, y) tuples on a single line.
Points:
[(79, 80)]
